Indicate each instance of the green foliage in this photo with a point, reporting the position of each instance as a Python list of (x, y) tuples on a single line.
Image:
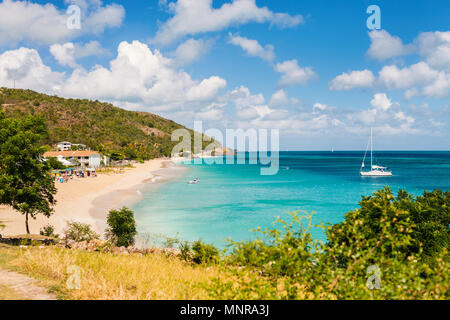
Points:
[(386, 233), (380, 227), (116, 155), (283, 251), (100, 126), (25, 181), (204, 253), (431, 216), (417, 226), (121, 227), (48, 231), (199, 252), (55, 164), (78, 232)]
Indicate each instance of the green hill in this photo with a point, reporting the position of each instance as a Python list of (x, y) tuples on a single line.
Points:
[(99, 125)]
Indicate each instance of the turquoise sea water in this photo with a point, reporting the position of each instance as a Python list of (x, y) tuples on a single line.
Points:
[(232, 199)]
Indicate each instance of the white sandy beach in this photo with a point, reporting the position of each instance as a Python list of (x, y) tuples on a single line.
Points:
[(76, 200)]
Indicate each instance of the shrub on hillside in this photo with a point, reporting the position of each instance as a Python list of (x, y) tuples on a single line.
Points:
[(204, 253), (121, 227), (48, 231), (78, 232), (198, 252)]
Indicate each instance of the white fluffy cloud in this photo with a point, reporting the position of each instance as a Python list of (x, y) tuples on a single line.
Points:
[(27, 69), (245, 103), (430, 77), (191, 17), (381, 102), (435, 48), (279, 98), (416, 79), (66, 54), (386, 117), (401, 78), (137, 75), (317, 107), (253, 48), (384, 46), (352, 80), (434, 83), (191, 50), (293, 74), (23, 21)]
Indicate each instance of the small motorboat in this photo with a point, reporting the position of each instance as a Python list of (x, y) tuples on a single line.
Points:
[(195, 181)]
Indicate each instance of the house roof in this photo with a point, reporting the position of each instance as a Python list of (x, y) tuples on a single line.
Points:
[(66, 154)]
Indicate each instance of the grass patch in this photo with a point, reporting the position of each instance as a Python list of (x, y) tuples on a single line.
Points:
[(7, 253), (109, 276), (7, 293)]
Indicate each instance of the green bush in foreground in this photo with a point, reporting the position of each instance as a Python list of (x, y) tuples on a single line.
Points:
[(78, 232), (121, 227), (377, 252)]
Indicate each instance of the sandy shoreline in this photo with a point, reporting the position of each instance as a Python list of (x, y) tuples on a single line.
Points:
[(87, 200)]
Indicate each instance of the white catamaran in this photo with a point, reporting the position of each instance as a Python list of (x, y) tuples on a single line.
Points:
[(375, 170)]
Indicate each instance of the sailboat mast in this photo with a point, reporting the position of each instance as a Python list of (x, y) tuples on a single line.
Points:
[(371, 148)]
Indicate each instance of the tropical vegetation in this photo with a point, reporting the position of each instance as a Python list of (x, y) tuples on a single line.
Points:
[(25, 180), (121, 229)]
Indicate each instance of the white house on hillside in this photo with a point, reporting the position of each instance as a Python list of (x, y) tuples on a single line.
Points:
[(90, 159), (66, 146)]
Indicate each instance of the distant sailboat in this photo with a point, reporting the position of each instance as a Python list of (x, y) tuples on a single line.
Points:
[(375, 170)]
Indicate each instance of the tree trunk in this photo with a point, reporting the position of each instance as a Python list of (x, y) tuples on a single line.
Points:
[(26, 223)]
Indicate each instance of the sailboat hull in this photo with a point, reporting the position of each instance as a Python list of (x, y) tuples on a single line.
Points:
[(376, 173)]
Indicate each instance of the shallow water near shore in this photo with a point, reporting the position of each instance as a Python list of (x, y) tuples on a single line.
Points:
[(128, 197), (232, 199)]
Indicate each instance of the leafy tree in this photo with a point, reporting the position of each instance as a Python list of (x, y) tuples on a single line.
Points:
[(78, 232), (121, 227), (25, 180), (116, 155), (55, 164)]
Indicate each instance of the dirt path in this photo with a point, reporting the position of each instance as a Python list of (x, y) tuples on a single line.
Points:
[(24, 286)]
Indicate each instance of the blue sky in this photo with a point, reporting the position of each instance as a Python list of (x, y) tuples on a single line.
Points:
[(311, 69)]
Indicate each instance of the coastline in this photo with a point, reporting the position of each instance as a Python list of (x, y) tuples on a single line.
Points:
[(130, 195), (89, 200)]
